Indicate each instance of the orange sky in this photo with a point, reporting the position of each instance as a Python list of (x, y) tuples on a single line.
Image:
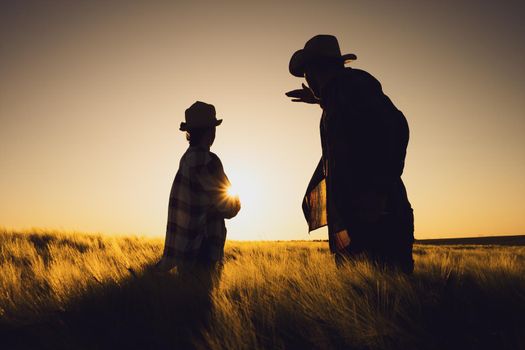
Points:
[(92, 94)]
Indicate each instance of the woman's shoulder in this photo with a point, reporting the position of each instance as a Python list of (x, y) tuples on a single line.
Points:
[(214, 157), (197, 158)]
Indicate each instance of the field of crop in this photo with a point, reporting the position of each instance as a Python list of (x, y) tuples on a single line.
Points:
[(78, 291)]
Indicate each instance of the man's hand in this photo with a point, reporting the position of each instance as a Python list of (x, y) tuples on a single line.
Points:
[(342, 240), (303, 95)]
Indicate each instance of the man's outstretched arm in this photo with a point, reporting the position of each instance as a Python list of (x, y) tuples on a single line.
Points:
[(304, 94)]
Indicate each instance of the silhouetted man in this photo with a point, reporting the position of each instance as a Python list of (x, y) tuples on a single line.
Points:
[(356, 189), (199, 203)]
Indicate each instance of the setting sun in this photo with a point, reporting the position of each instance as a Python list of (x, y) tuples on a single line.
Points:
[(231, 191), (243, 186), (248, 188)]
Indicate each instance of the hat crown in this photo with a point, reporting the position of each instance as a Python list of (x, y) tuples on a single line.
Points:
[(323, 45), (200, 115), (200, 110), (320, 48)]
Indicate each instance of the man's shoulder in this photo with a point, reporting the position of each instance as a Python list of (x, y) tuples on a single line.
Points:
[(357, 77), (350, 88)]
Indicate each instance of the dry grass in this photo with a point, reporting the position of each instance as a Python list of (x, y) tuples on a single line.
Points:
[(64, 290)]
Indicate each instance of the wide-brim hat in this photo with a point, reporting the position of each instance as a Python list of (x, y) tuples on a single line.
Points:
[(200, 115), (320, 48)]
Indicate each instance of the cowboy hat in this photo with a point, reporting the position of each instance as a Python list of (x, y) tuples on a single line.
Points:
[(318, 48), (200, 115)]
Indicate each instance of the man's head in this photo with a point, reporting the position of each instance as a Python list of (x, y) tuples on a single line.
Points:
[(320, 57), (316, 73), (200, 124)]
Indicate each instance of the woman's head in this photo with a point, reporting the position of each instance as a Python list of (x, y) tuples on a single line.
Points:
[(203, 137)]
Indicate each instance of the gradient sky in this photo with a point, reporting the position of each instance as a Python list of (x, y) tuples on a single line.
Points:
[(92, 94)]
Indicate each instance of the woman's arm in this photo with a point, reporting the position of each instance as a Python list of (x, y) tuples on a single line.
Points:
[(216, 184)]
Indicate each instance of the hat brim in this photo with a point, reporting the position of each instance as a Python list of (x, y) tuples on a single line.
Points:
[(297, 63), (186, 127), (301, 58)]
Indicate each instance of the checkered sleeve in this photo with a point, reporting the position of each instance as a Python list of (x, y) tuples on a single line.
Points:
[(215, 182), (187, 209)]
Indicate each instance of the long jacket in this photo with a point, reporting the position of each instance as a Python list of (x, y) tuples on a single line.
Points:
[(364, 139)]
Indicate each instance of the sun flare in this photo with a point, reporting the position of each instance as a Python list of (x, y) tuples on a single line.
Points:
[(232, 191), (245, 186)]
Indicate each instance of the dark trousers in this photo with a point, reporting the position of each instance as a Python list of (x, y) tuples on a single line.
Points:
[(198, 278), (200, 271), (387, 243)]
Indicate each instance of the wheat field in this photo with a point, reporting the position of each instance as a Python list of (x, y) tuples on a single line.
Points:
[(62, 290)]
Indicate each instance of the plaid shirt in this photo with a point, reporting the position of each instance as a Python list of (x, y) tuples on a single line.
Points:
[(198, 205)]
